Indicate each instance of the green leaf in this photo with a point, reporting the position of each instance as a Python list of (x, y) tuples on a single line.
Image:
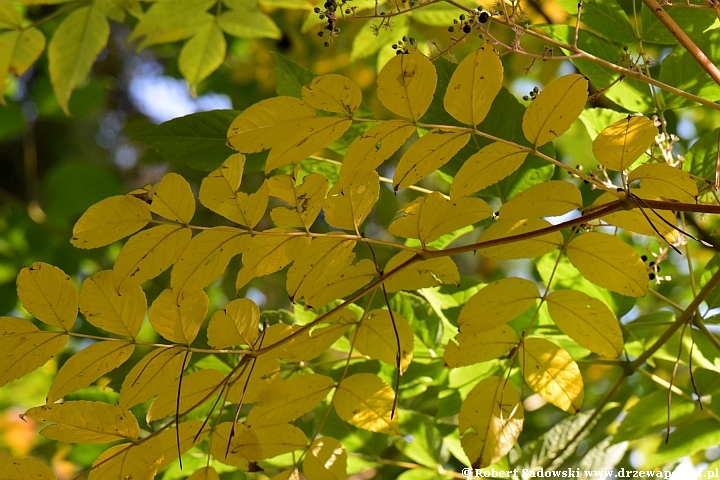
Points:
[(686, 440), (171, 20), (692, 21), (632, 95), (439, 14), (290, 76), (73, 49), (607, 18), (701, 159), (18, 51), (202, 54), (650, 415), (198, 140), (681, 70), (248, 23)]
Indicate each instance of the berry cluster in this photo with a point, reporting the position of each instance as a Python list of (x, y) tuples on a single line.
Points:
[(401, 46), (533, 93), (466, 23), (331, 6)]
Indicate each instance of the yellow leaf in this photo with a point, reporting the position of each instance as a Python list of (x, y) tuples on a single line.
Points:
[(586, 320), (218, 446), (202, 54), (426, 273), (406, 85), (179, 319), (172, 198), (10, 17), (25, 348), (258, 127), (236, 324), (18, 51), (660, 180), (609, 262), (372, 148), (494, 412), (305, 199), (205, 473), (552, 374), (127, 461), (24, 469), (149, 253), (531, 248), (288, 126), (49, 294), (486, 167), (85, 422), (619, 145), (333, 93), (322, 259), (480, 346), (151, 375), (269, 253), (267, 441), (496, 304), (428, 154), (473, 86), (287, 475), (326, 459), (191, 433), (206, 258), (634, 221), (304, 138), (73, 49), (346, 207), (365, 401), (122, 314), (432, 216), (548, 199), (555, 109), (340, 283), (218, 192), (285, 401), (255, 376), (376, 337), (168, 21), (86, 366), (316, 341), (199, 385), (110, 220)]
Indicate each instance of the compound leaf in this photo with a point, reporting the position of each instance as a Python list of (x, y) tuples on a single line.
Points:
[(619, 145), (202, 54), (103, 307), (422, 274), (178, 318), (18, 51), (326, 459), (491, 419), (428, 154), (333, 93), (365, 401), (267, 441), (25, 348), (379, 334), (473, 86), (149, 253), (406, 85), (347, 206), (586, 320), (49, 294), (552, 374), (553, 111), (609, 262), (486, 167), (172, 198), (287, 400), (432, 216), (151, 375), (86, 422), (497, 304), (267, 254), (25, 468), (547, 199), (206, 258), (480, 346), (110, 220), (195, 388), (236, 324), (531, 248), (86, 366), (660, 180)]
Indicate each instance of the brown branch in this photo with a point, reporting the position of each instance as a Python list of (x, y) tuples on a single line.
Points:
[(684, 40)]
